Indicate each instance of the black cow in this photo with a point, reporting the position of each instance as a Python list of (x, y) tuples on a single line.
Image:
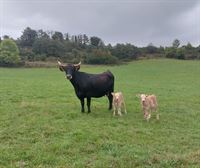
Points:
[(89, 85)]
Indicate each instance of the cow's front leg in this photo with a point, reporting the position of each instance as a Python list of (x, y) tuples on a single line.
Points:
[(82, 105), (88, 104)]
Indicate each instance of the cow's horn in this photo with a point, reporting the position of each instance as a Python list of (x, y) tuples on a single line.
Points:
[(60, 66), (77, 64), (59, 63)]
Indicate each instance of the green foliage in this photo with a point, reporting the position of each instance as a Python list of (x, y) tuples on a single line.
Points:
[(9, 53), (98, 56), (51, 45), (28, 37), (48, 47), (57, 36), (96, 41), (125, 51), (27, 54), (180, 54), (151, 49), (170, 52), (42, 34), (41, 124)]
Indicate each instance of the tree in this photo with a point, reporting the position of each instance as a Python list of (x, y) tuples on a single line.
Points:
[(85, 39), (9, 52), (42, 34), (189, 46), (67, 36), (100, 56), (95, 41), (151, 49), (58, 36), (170, 52), (6, 37), (28, 37), (125, 51), (176, 43)]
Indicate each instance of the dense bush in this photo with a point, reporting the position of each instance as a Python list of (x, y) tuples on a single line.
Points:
[(27, 54), (101, 57), (170, 52), (9, 53), (125, 51)]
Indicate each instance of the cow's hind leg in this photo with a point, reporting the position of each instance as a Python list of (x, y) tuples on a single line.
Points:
[(88, 104), (110, 98), (82, 105)]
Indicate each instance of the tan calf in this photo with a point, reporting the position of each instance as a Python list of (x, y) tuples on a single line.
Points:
[(118, 101), (149, 104)]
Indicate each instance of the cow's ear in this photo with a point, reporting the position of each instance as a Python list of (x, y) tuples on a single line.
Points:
[(112, 93), (77, 67)]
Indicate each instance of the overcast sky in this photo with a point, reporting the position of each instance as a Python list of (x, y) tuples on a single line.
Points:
[(139, 22)]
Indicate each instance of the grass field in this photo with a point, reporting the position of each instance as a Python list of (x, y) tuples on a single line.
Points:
[(41, 124)]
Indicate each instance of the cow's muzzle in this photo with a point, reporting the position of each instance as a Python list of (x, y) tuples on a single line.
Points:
[(69, 77)]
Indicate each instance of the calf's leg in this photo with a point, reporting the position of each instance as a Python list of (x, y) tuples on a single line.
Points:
[(157, 114), (114, 110), (124, 108), (119, 111)]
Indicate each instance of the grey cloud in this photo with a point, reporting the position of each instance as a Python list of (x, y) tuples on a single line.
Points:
[(134, 21)]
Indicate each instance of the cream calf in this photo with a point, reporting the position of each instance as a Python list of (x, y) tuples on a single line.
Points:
[(149, 104), (118, 101)]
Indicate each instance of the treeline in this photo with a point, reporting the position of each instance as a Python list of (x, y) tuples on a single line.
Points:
[(39, 45)]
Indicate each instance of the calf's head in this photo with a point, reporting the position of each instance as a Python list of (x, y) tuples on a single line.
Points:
[(116, 97), (142, 97), (69, 69)]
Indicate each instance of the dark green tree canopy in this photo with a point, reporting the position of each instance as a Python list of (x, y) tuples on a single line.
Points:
[(57, 36), (28, 37), (95, 41)]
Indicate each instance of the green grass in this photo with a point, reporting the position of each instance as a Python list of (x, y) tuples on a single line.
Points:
[(41, 124)]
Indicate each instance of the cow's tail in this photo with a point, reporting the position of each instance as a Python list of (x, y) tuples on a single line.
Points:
[(112, 78)]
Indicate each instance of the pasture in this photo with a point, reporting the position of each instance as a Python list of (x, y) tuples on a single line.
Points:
[(41, 124)]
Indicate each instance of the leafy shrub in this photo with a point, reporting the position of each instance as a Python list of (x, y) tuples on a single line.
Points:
[(27, 54), (170, 52), (9, 53), (180, 54), (101, 57)]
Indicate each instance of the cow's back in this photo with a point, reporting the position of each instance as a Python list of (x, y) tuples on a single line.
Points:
[(95, 85)]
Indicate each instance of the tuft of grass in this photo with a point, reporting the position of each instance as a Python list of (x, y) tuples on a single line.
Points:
[(41, 124)]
